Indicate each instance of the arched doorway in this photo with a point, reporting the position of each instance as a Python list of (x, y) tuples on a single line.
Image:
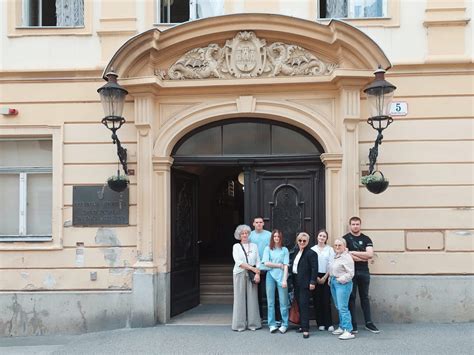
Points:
[(223, 174)]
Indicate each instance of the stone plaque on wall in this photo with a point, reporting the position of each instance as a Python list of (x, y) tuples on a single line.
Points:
[(99, 206)]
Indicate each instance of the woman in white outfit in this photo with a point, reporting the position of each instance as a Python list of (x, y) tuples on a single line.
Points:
[(245, 314)]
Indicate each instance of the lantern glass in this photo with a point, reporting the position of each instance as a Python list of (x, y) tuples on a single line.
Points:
[(379, 102), (112, 99)]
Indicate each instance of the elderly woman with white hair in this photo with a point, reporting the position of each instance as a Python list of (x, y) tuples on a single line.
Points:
[(245, 314)]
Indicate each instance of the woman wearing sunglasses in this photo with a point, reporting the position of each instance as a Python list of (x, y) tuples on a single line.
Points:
[(341, 272), (276, 257), (305, 273)]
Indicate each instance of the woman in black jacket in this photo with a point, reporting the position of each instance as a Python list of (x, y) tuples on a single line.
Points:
[(304, 267)]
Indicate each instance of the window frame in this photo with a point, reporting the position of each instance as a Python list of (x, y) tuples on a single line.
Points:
[(55, 134), (391, 18), (15, 27)]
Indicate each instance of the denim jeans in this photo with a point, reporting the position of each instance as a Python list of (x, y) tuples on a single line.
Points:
[(271, 285), (340, 295), (360, 281)]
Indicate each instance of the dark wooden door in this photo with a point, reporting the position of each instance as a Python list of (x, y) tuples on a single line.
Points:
[(184, 242), (290, 198)]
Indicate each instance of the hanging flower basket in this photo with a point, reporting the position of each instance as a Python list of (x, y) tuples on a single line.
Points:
[(118, 183), (375, 182)]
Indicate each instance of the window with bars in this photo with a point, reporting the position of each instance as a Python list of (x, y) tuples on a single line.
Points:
[(53, 13), (25, 189), (352, 8)]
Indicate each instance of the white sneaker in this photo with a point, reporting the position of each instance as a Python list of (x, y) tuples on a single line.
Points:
[(331, 329), (283, 329), (322, 328), (346, 335), (338, 331), (273, 329)]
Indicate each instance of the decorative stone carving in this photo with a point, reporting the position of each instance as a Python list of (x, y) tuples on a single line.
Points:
[(246, 56)]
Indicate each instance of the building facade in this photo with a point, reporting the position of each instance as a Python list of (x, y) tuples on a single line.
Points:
[(235, 108)]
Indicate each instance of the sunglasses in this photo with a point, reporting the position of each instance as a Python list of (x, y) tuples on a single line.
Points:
[(302, 241)]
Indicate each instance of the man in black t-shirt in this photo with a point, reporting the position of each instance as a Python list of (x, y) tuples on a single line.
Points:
[(361, 249)]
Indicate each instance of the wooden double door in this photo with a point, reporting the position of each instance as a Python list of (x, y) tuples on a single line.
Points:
[(289, 196)]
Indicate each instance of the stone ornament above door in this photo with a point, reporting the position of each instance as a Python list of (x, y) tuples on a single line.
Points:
[(246, 56)]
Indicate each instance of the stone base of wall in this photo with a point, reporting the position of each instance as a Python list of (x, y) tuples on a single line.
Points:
[(410, 299), (394, 299), (41, 313)]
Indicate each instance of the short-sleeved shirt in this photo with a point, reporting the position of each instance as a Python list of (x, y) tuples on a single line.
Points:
[(359, 243), (277, 256), (262, 240), (325, 256)]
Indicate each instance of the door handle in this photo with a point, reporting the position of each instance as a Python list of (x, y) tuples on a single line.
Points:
[(199, 242)]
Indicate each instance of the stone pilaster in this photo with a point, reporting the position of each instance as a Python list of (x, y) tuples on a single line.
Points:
[(350, 110), (333, 164), (144, 113)]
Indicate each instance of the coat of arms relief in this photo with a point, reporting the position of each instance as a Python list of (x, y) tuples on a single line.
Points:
[(246, 56)]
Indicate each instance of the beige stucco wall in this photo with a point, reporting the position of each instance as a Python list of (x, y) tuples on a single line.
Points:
[(423, 224)]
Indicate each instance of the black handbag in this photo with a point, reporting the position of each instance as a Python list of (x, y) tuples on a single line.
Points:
[(250, 273)]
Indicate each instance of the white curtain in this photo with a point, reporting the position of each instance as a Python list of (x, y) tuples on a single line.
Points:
[(336, 8), (367, 8), (208, 8), (69, 13)]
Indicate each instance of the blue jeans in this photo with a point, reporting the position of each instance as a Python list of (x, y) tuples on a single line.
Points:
[(340, 295), (271, 285)]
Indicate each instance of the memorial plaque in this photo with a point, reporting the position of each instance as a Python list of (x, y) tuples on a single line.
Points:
[(99, 206)]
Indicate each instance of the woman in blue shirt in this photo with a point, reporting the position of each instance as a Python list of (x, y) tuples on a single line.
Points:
[(276, 259)]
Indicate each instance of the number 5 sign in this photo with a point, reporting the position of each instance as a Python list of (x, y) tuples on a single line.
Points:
[(398, 108)]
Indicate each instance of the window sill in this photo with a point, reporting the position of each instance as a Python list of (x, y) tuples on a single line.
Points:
[(24, 31), (366, 21), (33, 238)]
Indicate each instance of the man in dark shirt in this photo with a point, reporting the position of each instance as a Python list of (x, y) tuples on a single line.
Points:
[(361, 249)]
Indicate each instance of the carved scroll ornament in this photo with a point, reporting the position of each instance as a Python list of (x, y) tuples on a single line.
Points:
[(246, 56)]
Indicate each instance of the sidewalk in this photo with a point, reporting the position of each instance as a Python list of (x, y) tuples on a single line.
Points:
[(220, 339)]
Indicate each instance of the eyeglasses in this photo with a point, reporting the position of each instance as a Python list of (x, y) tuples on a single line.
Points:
[(302, 241), (338, 245)]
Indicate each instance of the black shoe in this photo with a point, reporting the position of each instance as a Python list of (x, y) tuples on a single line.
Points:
[(305, 335), (354, 329), (372, 328), (299, 330)]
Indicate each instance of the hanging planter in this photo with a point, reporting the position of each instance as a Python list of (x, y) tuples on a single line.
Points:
[(118, 183), (375, 182)]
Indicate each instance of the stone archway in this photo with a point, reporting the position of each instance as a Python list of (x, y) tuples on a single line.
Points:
[(326, 106)]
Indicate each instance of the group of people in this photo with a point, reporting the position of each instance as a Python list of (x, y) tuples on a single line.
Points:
[(263, 266)]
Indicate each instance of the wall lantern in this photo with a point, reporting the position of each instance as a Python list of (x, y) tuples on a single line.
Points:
[(112, 97), (379, 97)]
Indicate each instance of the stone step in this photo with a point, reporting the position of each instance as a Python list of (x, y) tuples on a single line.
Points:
[(216, 279), (217, 289), (216, 298)]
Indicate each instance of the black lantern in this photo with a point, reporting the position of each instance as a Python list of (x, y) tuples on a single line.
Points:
[(379, 97), (112, 97)]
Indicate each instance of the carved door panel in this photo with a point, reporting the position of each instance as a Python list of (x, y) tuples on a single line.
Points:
[(290, 199), (184, 242)]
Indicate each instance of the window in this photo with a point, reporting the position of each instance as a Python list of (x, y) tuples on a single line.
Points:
[(177, 11), (352, 8), (26, 189), (247, 137), (53, 13)]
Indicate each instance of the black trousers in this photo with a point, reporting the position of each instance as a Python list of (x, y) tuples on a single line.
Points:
[(360, 281), (322, 304), (302, 294), (262, 295)]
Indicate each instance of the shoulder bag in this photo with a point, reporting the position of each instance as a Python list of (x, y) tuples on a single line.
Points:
[(249, 272)]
